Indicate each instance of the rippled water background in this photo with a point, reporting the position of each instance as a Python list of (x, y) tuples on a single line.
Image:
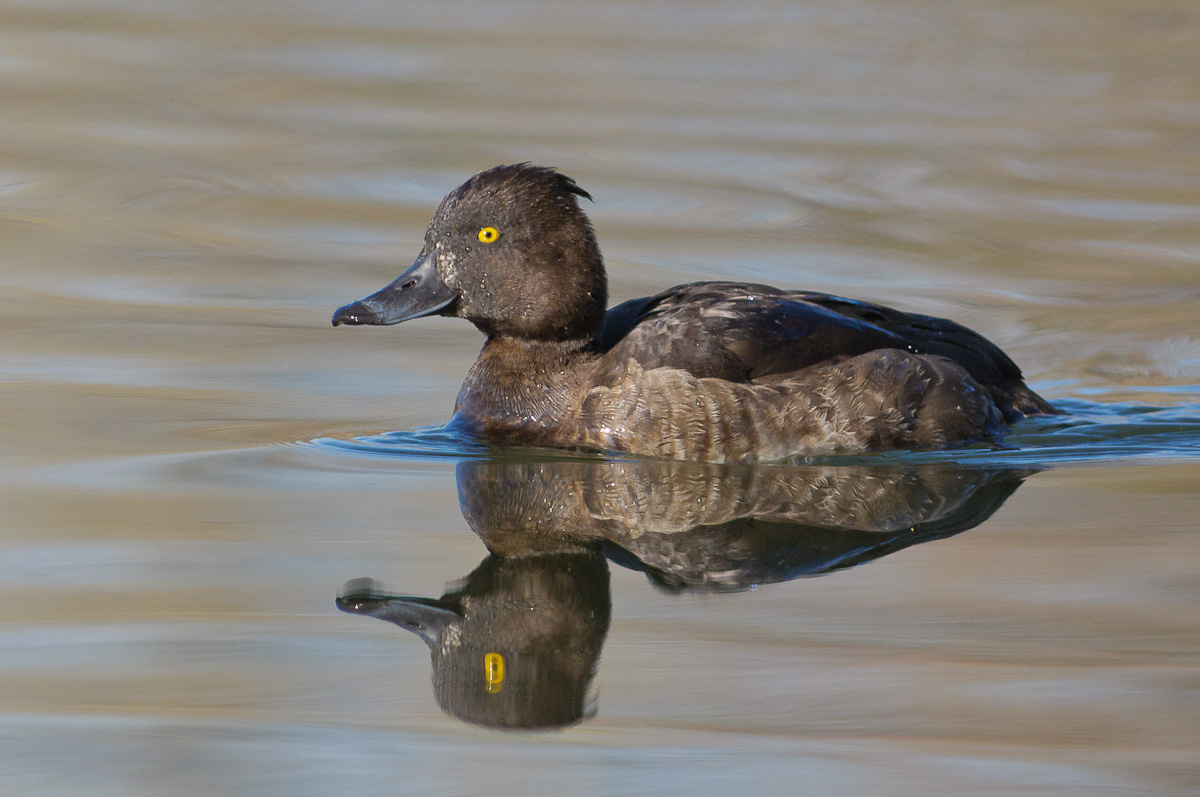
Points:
[(187, 190)]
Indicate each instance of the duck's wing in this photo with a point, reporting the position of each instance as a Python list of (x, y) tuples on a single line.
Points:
[(746, 332), (927, 334), (735, 331)]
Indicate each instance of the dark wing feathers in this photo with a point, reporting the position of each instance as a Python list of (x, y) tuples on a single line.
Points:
[(981, 358), (743, 332)]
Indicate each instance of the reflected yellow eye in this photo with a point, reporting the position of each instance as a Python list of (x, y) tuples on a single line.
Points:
[(488, 234), (493, 672)]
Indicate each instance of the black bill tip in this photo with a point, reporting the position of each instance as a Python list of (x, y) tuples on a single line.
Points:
[(354, 314)]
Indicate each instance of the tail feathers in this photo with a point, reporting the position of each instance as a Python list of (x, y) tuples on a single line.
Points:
[(1016, 400)]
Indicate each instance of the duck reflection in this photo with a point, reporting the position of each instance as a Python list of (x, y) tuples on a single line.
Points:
[(515, 643)]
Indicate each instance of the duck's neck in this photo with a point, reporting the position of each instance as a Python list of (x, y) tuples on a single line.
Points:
[(523, 388)]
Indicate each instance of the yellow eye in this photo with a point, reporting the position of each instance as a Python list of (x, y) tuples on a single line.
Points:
[(488, 234), (493, 672)]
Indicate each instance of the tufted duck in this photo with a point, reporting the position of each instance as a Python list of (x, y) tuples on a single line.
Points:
[(710, 371)]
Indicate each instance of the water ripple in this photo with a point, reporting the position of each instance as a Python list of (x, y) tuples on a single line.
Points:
[(432, 441), (1086, 432)]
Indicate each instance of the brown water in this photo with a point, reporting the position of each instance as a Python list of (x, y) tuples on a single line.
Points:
[(187, 190)]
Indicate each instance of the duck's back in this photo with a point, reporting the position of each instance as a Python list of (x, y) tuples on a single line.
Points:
[(723, 371), (750, 333)]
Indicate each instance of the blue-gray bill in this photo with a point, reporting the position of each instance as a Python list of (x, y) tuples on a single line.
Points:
[(417, 292)]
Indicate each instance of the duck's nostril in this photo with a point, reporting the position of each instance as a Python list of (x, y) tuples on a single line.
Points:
[(407, 285)]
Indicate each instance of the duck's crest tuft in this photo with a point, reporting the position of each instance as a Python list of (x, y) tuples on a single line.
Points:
[(525, 176)]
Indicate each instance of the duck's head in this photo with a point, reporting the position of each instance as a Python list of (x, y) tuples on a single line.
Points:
[(510, 251)]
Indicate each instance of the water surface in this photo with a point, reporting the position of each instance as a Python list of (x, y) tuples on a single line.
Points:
[(194, 464)]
